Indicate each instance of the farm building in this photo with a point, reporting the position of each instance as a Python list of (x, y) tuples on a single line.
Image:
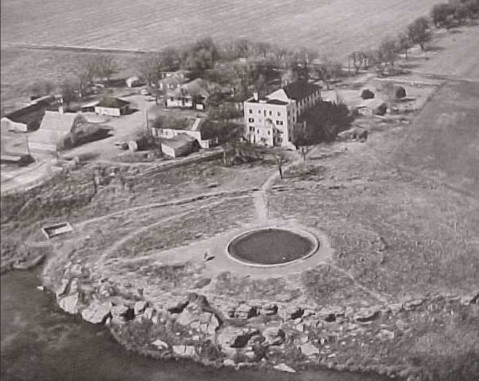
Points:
[(180, 145), (172, 80), (29, 117), (190, 95), (54, 130), (133, 81), (112, 107), (371, 107), (194, 128), (271, 120)]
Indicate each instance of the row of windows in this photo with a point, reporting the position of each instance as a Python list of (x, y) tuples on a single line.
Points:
[(278, 122), (270, 112)]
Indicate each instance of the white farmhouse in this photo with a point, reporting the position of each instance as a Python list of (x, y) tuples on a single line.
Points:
[(272, 120)]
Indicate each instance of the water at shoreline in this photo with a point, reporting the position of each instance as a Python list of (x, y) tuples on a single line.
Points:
[(41, 343)]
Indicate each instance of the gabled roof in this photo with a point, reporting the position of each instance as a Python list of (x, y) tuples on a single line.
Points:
[(196, 88), (25, 114), (178, 141), (110, 102), (54, 127), (298, 90)]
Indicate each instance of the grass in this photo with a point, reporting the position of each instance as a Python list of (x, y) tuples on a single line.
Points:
[(443, 140)]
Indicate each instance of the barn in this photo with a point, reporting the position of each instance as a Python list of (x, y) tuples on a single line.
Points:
[(112, 107), (29, 117), (53, 131)]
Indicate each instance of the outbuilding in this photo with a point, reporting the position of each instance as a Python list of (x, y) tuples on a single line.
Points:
[(112, 107), (180, 145), (371, 107)]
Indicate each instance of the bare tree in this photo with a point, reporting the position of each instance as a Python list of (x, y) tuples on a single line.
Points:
[(150, 67), (105, 66), (389, 50), (419, 33)]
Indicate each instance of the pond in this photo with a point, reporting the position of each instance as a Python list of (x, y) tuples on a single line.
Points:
[(272, 246)]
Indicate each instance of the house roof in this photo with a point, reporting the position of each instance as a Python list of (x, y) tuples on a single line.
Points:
[(178, 141), (111, 102), (25, 114), (298, 90), (196, 88)]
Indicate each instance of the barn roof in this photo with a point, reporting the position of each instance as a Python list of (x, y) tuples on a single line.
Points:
[(111, 102), (54, 127)]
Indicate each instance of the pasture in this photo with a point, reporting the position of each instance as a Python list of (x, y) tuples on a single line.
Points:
[(334, 27), (444, 139)]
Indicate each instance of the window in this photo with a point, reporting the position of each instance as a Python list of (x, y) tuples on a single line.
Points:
[(289, 112), (251, 128), (269, 132), (251, 120), (280, 140), (264, 112), (250, 111), (270, 113), (259, 111), (257, 131), (279, 114)]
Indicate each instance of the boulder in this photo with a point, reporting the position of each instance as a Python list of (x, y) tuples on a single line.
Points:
[(413, 304), (96, 313), (245, 311), (234, 337), (149, 313), (176, 306), (160, 344), (274, 336), (269, 309), (184, 350), (121, 313), (472, 298), (70, 304), (366, 315), (309, 350), (140, 307), (284, 368), (62, 290), (291, 313)]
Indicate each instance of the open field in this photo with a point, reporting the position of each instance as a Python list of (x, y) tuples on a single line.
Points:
[(444, 139), (334, 27)]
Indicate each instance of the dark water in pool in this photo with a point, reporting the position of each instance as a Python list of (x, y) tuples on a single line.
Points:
[(41, 343), (270, 246)]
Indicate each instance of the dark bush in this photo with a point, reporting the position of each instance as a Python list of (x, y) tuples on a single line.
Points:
[(367, 94), (400, 92)]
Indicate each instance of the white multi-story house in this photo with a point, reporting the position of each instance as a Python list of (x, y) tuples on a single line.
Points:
[(272, 120)]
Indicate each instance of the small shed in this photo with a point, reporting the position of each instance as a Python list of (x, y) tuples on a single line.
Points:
[(180, 145), (112, 107), (371, 107), (133, 81)]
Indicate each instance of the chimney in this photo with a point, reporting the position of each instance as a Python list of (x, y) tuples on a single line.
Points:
[(256, 96)]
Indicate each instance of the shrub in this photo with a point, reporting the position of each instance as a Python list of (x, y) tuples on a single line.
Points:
[(367, 94), (400, 92)]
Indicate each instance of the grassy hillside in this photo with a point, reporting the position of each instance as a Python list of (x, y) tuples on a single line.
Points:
[(444, 140), (334, 26)]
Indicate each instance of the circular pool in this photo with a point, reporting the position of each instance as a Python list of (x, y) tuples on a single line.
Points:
[(272, 246)]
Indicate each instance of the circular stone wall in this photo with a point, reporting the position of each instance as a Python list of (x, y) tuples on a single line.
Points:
[(272, 246)]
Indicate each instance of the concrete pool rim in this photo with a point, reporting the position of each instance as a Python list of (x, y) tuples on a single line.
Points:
[(313, 239)]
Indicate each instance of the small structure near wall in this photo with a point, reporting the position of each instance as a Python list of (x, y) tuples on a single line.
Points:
[(55, 230), (371, 107), (112, 107), (180, 145)]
